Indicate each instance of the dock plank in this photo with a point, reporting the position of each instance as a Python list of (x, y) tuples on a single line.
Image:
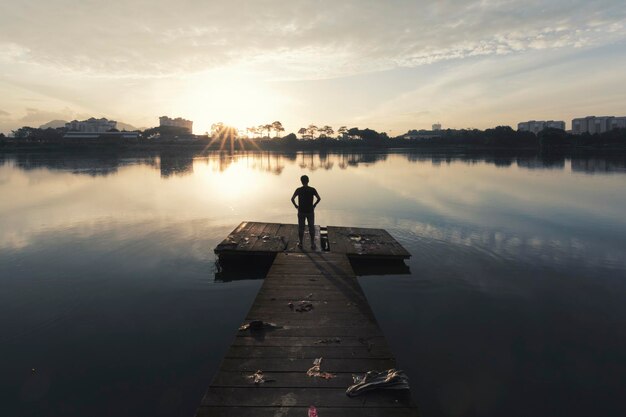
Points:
[(268, 241), (282, 380), (319, 332), (291, 364), (321, 307), (298, 397), (280, 341), (303, 411), (333, 351), (319, 313)]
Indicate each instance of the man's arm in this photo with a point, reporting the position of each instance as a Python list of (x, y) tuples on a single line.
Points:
[(293, 198), (317, 196)]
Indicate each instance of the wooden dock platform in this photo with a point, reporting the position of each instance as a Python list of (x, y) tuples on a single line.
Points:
[(340, 328), (255, 238)]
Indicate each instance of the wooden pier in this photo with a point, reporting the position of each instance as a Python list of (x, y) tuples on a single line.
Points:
[(337, 325), (261, 239)]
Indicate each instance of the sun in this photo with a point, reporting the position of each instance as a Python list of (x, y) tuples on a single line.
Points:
[(236, 98)]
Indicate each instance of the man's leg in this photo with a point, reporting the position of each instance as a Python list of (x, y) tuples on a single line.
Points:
[(311, 221), (301, 218)]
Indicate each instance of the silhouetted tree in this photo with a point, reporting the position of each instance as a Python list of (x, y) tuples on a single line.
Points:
[(327, 131), (33, 134), (290, 140), (614, 136), (255, 131), (24, 133), (551, 137), (216, 127), (368, 136), (500, 135), (278, 127), (311, 130), (166, 132)]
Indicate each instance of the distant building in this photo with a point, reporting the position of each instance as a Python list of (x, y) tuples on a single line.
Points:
[(618, 123), (177, 122), (436, 126), (422, 134), (600, 124), (91, 125), (537, 126)]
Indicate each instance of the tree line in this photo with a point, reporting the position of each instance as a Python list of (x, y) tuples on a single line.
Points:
[(257, 131), (265, 130), (312, 137)]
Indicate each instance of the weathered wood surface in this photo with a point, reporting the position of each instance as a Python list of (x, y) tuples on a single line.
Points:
[(362, 242), (300, 411), (266, 238), (270, 238), (290, 397), (340, 328)]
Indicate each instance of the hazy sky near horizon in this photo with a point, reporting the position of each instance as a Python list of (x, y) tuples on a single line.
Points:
[(390, 65)]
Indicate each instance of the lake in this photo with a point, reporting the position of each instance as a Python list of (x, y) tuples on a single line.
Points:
[(515, 304)]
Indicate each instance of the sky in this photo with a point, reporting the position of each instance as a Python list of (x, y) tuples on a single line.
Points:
[(390, 65)]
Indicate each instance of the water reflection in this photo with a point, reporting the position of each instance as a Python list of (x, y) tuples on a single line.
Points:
[(598, 165), (515, 291), (87, 163), (180, 162), (175, 164)]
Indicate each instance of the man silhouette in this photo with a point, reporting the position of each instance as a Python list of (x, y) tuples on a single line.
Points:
[(306, 209)]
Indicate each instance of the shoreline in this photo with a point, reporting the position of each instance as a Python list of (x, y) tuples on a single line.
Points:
[(334, 148)]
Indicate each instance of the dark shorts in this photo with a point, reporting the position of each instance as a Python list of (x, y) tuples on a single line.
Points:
[(310, 219)]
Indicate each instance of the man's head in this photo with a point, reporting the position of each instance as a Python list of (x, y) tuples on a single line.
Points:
[(304, 179)]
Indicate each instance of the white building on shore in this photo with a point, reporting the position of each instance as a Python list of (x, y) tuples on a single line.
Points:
[(600, 124), (91, 125), (537, 126), (177, 122)]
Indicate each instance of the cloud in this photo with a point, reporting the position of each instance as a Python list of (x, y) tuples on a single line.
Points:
[(397, 64), (486, 91), (35, 117), (295, 39)]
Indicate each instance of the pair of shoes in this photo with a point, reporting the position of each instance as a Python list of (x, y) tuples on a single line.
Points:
[(300, 245)]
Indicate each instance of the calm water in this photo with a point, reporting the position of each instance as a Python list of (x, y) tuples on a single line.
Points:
[(515, 305)]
